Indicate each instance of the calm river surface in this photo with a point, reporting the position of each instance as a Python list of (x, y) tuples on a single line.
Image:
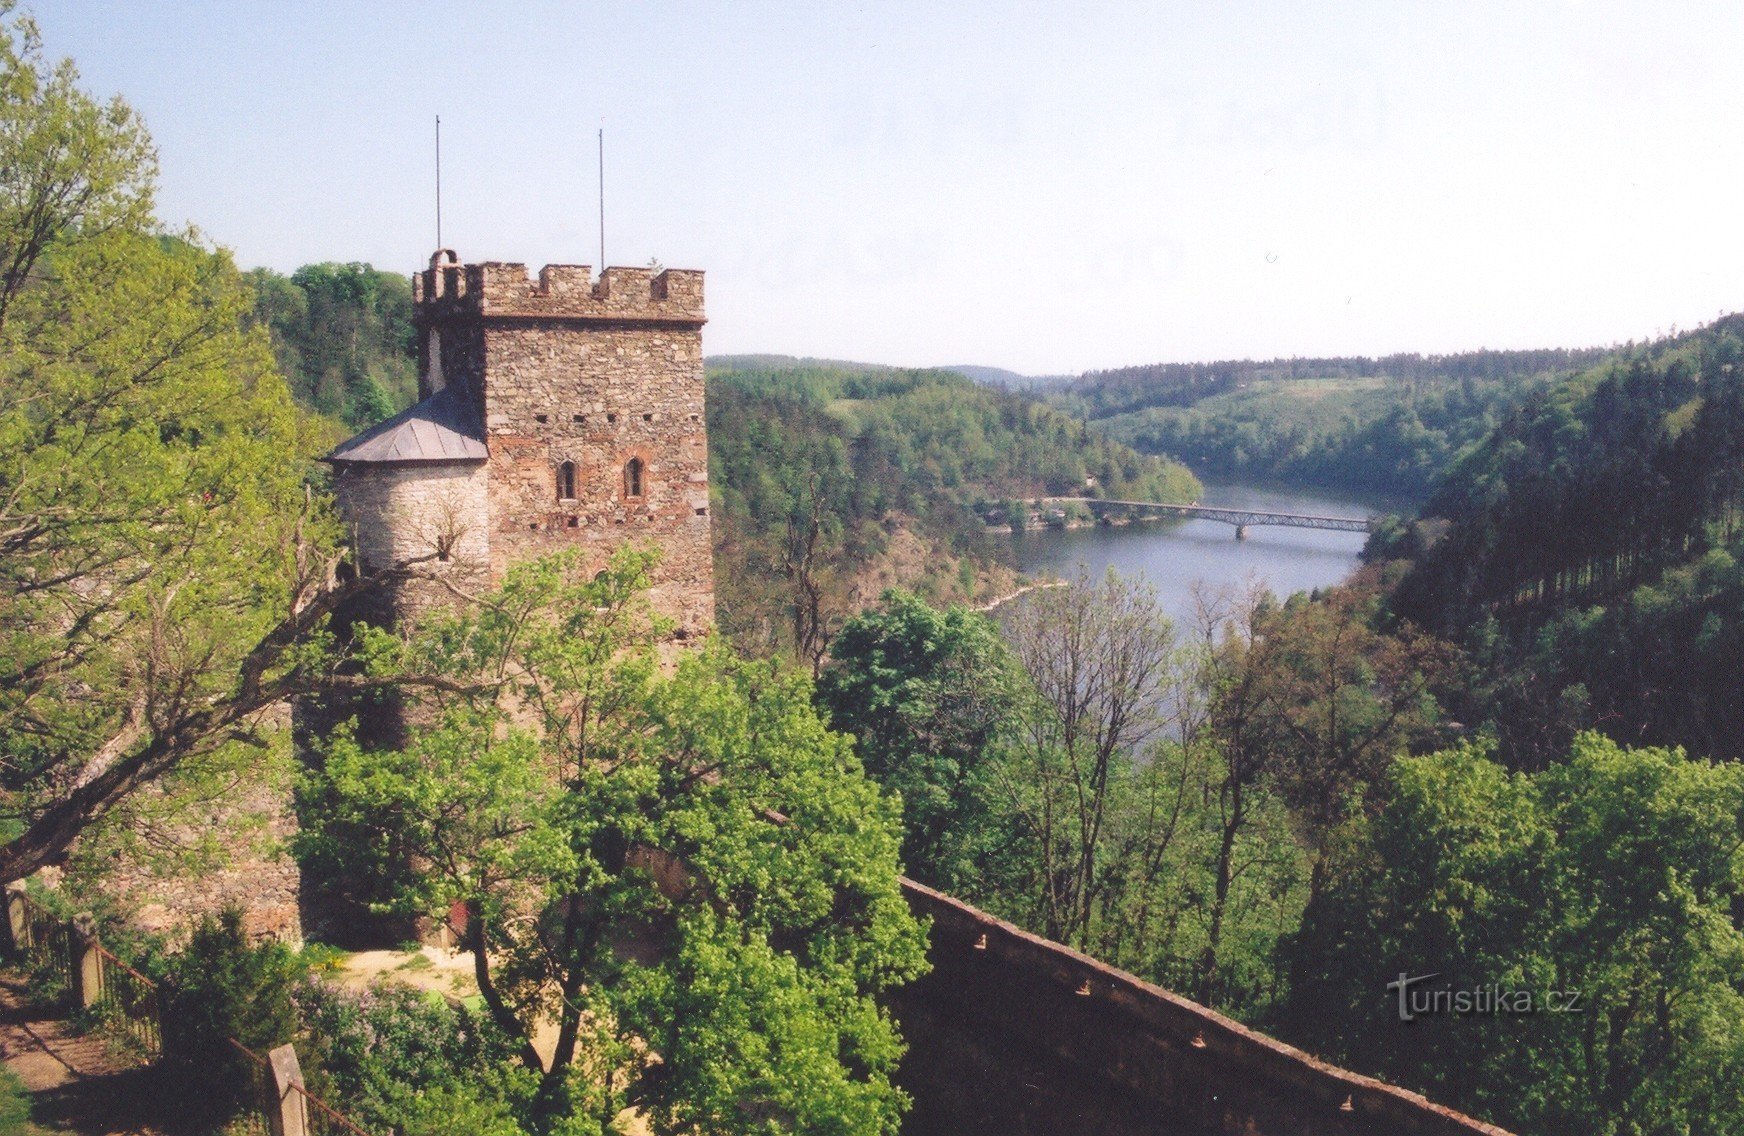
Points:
[(1173, 554)]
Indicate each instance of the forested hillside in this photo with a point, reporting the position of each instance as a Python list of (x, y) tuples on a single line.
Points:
[(1391, 423), (818, 468), (1587, 553), (342, 334)]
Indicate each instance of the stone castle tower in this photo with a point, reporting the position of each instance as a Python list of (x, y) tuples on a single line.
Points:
[(561, 412)]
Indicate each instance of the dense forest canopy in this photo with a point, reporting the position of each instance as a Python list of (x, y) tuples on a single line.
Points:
[(1586, 552), (1390, 423), (342, 334)]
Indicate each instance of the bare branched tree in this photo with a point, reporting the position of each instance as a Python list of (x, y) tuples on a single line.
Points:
[(1100, 662)]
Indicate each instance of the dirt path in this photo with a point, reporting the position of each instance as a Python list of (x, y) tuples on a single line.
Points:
[(77, 1083)]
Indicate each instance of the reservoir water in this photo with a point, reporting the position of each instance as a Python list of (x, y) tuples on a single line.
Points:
[(1171, 555)]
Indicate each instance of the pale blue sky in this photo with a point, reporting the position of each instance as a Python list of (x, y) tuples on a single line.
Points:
[(1045, 187)]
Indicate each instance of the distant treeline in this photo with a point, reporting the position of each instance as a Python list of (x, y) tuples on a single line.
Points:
[(1389, 424), (1123, 390)]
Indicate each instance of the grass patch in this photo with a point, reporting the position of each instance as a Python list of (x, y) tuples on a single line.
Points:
[(15, 1107)]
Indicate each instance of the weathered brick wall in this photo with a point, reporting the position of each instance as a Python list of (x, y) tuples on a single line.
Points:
[(1013, 1034)]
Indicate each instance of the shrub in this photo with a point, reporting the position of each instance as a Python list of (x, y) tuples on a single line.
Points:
[(222, 987), (407, 1060)]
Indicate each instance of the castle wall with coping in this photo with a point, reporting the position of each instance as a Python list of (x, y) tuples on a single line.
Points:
[(567, 290), (1011, 1033)]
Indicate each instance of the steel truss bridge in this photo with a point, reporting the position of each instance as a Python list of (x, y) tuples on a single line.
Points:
[(1242, 519)]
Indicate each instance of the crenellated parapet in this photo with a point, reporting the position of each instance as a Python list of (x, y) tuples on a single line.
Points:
[(449, 288)]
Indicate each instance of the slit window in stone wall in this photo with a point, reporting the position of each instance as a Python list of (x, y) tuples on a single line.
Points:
[(566, 481), (633, 477)]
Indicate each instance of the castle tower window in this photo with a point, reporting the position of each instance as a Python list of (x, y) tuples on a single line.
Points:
[(566, 481), (633, 477)]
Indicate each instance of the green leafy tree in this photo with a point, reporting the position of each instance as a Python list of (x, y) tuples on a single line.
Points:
[(222, 987), (69, 165), (1614, 875), (1100, 660), (927, 696), (343, 337), (164, 572), (686, 876)]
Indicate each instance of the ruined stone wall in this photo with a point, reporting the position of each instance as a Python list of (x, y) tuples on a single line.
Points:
[(1013, 1034), (221, 844)]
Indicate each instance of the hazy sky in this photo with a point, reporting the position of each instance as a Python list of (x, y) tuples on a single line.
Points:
[(1044, 187)]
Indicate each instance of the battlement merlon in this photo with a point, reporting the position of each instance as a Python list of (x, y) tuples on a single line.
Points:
[(562, 291)]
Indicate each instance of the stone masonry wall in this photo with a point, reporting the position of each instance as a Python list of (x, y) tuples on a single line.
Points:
[(399, 514), (598, 373), (600, 397)]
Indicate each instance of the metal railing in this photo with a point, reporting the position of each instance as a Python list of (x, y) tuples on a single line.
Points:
[(47, 940), (129, 1002), (260, 1097), (321, 1119)]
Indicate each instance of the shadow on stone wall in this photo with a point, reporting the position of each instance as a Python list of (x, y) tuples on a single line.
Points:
[(1012, 1034)]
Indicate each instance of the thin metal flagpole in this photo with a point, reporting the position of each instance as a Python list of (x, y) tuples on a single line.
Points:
[(602, 195)]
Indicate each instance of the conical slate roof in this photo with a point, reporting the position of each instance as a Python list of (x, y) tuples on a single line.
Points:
[(442, 428)]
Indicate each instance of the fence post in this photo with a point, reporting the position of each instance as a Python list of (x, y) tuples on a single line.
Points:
[(291, 1118), (17, 917), (87, 964)]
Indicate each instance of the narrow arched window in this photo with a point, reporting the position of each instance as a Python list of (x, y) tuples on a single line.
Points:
[(633, 477), (566, 481)]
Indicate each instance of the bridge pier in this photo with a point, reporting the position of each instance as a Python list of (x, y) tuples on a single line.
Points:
[(1240, 532)]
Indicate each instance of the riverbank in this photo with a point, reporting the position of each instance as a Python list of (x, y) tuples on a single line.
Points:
[(995, 605)]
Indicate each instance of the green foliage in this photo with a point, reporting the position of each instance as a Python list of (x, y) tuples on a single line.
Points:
[(686, 865), (71, 168), (926, 694), (405, 1061), (1390, 424), (15, 1107), (154, 527), (1587, 554), (220, 987), (814, 466), (1616, 875), (343, 337)]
